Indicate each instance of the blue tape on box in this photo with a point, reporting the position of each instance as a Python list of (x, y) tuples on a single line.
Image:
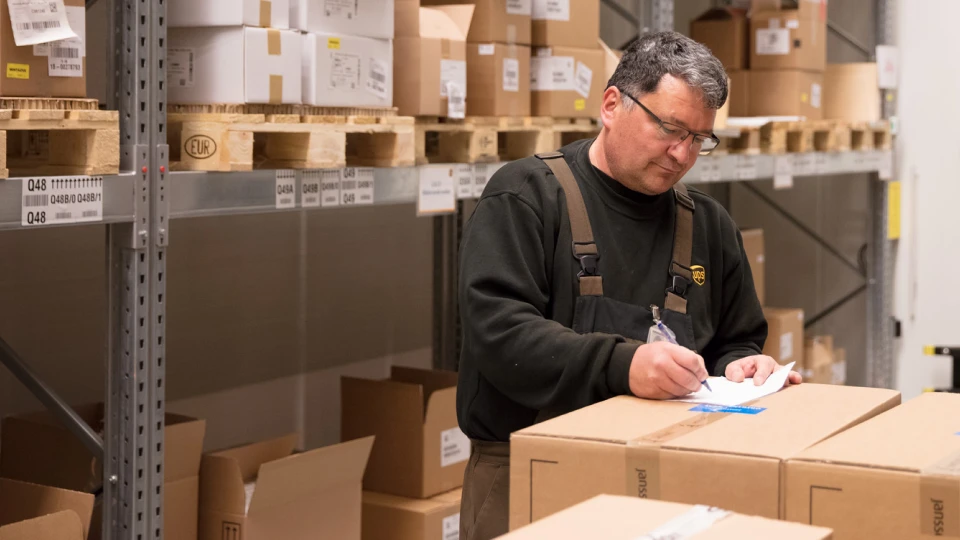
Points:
[(741, 409)]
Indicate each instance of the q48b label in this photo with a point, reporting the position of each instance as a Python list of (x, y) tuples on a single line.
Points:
[(60, 200)]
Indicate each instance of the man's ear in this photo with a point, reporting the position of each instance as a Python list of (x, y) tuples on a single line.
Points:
[(610, 106)]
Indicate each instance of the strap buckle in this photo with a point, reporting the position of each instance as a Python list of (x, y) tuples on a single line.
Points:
[(679, 282), (684, 199), (588, 261)]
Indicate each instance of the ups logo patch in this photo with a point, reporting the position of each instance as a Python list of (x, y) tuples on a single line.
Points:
[(699, 274)]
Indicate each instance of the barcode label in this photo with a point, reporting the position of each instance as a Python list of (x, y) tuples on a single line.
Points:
[(180, 66), (377, 80), (35, 22), (43, 25), (62, 199), (64, 52), (356, 186), (379, 77)]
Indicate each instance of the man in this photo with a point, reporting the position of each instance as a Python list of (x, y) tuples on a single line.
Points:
[(572, 257)]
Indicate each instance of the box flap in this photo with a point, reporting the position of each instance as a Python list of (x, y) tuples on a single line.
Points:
[(251, 456), (59, 526), (393, 402), (299, 476), (441, 503), (446, 22), (722, 14), (430, 379), (910, 437), (21, 501), (221, 485), (183, 440)]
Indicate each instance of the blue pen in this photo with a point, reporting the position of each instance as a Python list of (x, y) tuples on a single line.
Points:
[(667, 333)]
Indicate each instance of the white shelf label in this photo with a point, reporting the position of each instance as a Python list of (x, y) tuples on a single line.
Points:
[(821, 163), (454, 447), (310, 188), (465, 177), (710, 170), (60, 200), (482, 174), (330, 188), (804, 165), (746, 167), (286, 189), (783, 172), (437, 193), (885, 165), (356, 186)]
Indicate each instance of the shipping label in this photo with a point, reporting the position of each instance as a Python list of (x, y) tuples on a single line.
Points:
[(551, 73), (486, 49), (816, 92), (773, 41), (451, 527), (454, 447), (330, 188), (55, 201), (583, 79), (344, 71), (452, 71), (344, 9), (378, 80), (551, 10), (356, 186), (786, 346), (39, 21), (180, 67), (310, 188), (511, 75), (519, 7), (65, 57)]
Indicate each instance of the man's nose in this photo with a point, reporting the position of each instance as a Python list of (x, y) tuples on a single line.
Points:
[(680, 152)]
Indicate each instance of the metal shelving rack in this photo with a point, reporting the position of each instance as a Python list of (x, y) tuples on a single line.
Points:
[(139, 202)]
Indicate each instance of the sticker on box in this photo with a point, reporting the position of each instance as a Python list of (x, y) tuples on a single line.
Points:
[(739, 409), (454, 447), (773, 41), (511, 75), (344, 9), (486, 49), (378, 80), (551, 10), (519, 7), (815, 95), (18, 71), (344, 71), (554, 73), (583, 80), (180, 67), (451, 527), (786, 347), (452, 71), (39, 21)]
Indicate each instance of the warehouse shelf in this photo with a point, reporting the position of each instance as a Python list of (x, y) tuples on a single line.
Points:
[(117, 200)]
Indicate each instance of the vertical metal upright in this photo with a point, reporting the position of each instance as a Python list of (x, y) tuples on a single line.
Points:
[(133, 462)]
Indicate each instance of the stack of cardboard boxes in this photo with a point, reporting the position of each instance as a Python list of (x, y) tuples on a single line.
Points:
[(775, 59), (416, 467)]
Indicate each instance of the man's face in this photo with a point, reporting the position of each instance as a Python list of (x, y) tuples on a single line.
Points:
[(640, 155)]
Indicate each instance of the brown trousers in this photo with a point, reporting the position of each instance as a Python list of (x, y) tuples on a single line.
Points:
[(485, 506)]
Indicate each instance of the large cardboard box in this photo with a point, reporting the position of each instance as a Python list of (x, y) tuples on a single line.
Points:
[(851, 92), (263, 13), (31, 511), (784, 335), (347, 71), (753, 246), (498, 79), (787, 40), (432, 44), (566, 23), (673, 451), (35, 448), (611, 517), (739, 93), (234, 65), (367, 18), (817, 366), (499, 21), (726, 32), (566, 82), (57, 69), (388, 517), (264, 491), (809, 9), (891, 478), (420, 451), (786, 93)]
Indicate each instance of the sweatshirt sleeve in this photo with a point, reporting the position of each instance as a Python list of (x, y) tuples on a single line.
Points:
[(742, 328), (508, 337)]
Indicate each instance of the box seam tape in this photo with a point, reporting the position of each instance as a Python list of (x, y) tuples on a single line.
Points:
[(265, 8), (273, 42), (276, 88)]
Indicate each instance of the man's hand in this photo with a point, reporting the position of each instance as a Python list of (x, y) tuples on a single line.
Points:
[(759, 367), (663, 370)]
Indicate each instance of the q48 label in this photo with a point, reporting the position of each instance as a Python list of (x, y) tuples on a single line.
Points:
[(60, 200)]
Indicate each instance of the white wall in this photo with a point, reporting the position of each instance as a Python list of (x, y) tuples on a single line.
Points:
[(927, 295)]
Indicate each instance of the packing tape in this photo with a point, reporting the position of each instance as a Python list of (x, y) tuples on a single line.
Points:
[(273, 42), (276, 88), (688, 524), (265, 13), (940, 498), (511, 34), (643, 454)]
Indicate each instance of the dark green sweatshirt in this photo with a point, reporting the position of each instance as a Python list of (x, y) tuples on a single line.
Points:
[(518, 288)]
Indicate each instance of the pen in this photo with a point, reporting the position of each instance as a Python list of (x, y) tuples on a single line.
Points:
[(667, 333)]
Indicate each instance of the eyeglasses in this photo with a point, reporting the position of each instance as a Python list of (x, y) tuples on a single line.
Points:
[(703, 144)]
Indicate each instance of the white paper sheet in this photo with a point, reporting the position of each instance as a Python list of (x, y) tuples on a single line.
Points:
[(731, 394)]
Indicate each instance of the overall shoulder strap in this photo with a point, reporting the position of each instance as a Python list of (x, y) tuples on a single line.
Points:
[(681, 276), (584, 247)]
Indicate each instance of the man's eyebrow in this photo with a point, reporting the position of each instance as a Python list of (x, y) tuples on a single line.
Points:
[(674, 120)]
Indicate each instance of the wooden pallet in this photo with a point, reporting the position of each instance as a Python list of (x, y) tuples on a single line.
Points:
[(478, 139), (58, 137), (242, 141), (871, 136), (804, 136)]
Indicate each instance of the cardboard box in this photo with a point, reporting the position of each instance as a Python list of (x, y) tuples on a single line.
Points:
[(891, 478), (671, 451), (611, 517), (739, 94), (498, 79), (263, 491), (31, 71), (566, 23), (851, 92), (388, 517), (433, 59), (366, 18), (784, 335), (420, 451), (31, 511), (347, 71), (723, 113), (498, 21), (234, 65), (809, 9), (35, 448), (786, 93), (566, 82), (262, 13), (726, 32), (817, 366), (787, 40), (756, 255)]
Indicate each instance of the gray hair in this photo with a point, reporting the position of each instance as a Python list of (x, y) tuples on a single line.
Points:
[(654, 55)]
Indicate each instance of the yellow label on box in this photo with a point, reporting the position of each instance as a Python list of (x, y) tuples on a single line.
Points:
[(18, 71), (804, 97), (333, 43), (893, 210), (580, 104)]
